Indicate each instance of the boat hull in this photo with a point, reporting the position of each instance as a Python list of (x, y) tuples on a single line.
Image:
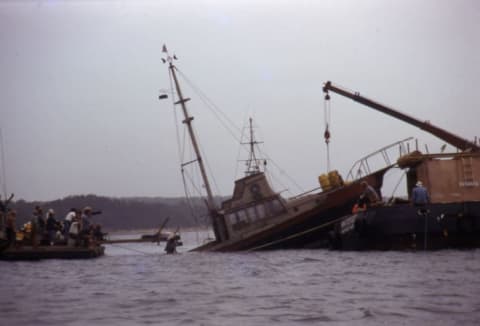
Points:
[(51, 252), (406, 227)]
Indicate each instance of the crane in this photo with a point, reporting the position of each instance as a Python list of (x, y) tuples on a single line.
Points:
[(450, 138)]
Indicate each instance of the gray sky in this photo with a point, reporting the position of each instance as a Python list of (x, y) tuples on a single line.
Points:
[(79, 84)]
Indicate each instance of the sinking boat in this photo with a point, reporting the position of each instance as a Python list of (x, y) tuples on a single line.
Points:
[(258, 218), (451, 219)]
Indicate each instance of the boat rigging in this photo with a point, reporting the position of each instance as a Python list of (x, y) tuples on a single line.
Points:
[(218, 227), (256, 217)]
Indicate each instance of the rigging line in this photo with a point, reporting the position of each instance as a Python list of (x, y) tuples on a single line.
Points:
[(281, 170), (190, 204), (210, 171), (273, 179), (205, 160), (139, 251), (184, 145), (327, 130), (215, 110), (240, 147), (4, 174), (293, 236), (398, 183), (207, 99), (192, 182), (175, 117), (187, 196)]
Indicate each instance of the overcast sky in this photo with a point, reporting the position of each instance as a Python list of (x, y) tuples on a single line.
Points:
[(79, 86)]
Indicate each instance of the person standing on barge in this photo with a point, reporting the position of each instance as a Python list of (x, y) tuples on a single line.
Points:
[(10, 227)]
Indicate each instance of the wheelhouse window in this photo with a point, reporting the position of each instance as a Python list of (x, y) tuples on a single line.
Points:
[(251, 213), (260, 211), (242, 216)]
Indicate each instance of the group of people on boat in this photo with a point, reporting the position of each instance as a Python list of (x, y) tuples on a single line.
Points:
[(76, 229), (370, 198)]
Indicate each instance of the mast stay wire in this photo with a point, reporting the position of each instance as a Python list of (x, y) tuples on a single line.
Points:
[(281, 171), (219, 114), (240, 147), (275, 178), (4, 169), (214, 108), (396, 187)]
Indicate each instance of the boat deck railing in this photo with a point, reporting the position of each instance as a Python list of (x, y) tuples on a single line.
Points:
[(378, 159)]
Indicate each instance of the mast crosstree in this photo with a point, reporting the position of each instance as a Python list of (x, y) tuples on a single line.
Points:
[(252, 163)]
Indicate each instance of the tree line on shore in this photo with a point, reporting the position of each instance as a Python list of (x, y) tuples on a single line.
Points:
[(123, 213)]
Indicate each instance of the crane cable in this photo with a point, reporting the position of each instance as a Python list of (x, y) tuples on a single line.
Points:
[(326, 134)]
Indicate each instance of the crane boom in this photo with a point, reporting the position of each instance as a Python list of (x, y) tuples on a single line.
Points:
[(446, 136)]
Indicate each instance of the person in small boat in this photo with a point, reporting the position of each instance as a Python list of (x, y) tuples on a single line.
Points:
[(369, 195), (74, 231), (87, 226), (68, 220), (420, 196), (10, 227), (52, 226), (98, 234), (4, 203), (87, 219), (38, 226)]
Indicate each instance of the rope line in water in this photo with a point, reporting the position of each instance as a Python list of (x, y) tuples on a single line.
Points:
[(139, 251), (293, 236)]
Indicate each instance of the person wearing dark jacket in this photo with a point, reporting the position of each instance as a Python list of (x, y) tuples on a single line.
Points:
[(11, 227), (52, 225)]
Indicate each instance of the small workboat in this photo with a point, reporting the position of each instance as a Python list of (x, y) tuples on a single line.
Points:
[(51, 252)]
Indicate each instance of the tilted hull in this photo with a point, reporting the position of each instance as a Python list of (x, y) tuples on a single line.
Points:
[(302, 229)]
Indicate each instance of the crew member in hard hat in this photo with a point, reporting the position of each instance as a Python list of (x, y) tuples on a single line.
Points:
[(420, 196)]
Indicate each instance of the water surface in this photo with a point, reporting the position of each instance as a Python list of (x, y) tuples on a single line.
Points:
[(137, 284)]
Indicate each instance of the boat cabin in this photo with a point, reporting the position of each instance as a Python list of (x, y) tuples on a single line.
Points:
[(448, 177), (253, 203)]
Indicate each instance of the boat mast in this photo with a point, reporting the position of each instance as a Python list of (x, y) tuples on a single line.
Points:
[(188, 122), (252, 162)]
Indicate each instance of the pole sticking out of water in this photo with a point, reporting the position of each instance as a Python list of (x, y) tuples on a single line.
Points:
[(426, 230)]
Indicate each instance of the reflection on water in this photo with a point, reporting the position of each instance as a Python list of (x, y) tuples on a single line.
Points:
[(138, 284)]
